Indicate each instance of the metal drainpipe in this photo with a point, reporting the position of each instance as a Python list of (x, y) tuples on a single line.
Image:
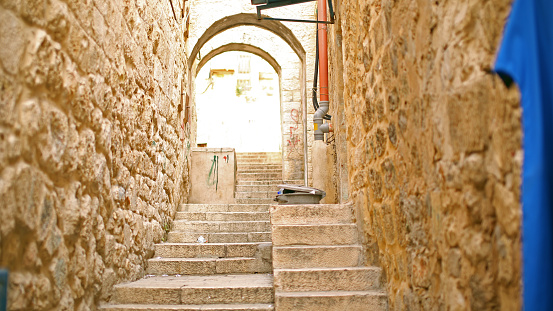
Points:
[(319, 127)]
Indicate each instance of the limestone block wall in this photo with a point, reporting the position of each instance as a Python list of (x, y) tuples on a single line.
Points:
[(433, 149), (93, 148)]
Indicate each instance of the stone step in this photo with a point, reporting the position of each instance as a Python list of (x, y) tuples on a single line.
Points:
[(331, 301), (192, 266), (255, 201), (268, 182), (311, 214), (246, 162), (271, 183), (223, 216), (320, 256), (211, 250), (220, 237), (214, 307), (243, 170), (321, 234), (253, 188), (241, 166), (195, 290), (255, 194), (327, 279), (224, 208), (258, 176), (221, 226), (260, 153), (259, 158)]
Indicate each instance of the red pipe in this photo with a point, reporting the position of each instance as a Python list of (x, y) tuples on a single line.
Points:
[(323, 52)]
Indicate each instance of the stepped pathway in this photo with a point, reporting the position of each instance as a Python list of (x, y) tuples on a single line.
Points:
[(317, 261), (232, 270), (258, 176)]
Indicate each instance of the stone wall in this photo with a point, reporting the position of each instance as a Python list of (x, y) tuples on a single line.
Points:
[(433, 149), (93, 147)]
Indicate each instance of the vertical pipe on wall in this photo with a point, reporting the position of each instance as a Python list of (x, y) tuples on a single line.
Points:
[(323, 52), (304, 100), (318, 124)]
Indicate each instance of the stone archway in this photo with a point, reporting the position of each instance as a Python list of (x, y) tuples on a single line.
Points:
[(240, 47), (295, 164), (247, 19)]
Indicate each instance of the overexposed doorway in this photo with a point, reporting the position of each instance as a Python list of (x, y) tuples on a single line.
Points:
[(238, 103)]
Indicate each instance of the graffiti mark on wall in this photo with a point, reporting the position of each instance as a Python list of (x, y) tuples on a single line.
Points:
[(294, 138), (213, 177), (183, 132)]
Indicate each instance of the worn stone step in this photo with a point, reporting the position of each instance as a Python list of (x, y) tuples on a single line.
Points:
[(273, 166), (331, 301), (223, 216), (311, 214), (259, 159), (258, 176), (219, 237), (327, 256), (255, 194), (320, 234), (327, 279), (221, 226), (255, 201), (247, 162), (254, 188), (213, 250), (271, 183), (222, 208), (246, 155), (260, 169), (196, 289), (191, 266), (213, 307), (274, 183)]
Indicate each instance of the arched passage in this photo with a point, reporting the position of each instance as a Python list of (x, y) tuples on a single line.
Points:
[(240, 47), (238, 103), (247, 19), (295, 151)]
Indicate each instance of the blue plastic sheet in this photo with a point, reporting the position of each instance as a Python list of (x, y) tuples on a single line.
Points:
[(526, 55), (3, 290)]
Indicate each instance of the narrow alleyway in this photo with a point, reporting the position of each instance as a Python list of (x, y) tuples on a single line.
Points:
[(232, 269), (221, 256), (391, 107)]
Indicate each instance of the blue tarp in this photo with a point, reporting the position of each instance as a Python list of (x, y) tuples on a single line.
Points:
[(526, 55), (3, 289)]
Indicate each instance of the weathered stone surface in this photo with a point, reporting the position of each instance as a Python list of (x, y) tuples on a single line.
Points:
[(322, 234), (318, 256), (432, 146), (311, 279), (213, 307), (84, 199), (249, 288), (331, 300), (310, 214)]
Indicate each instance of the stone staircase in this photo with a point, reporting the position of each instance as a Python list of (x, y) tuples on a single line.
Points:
[(317, 261), (232, 269), (316, 255), (257, 177)]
